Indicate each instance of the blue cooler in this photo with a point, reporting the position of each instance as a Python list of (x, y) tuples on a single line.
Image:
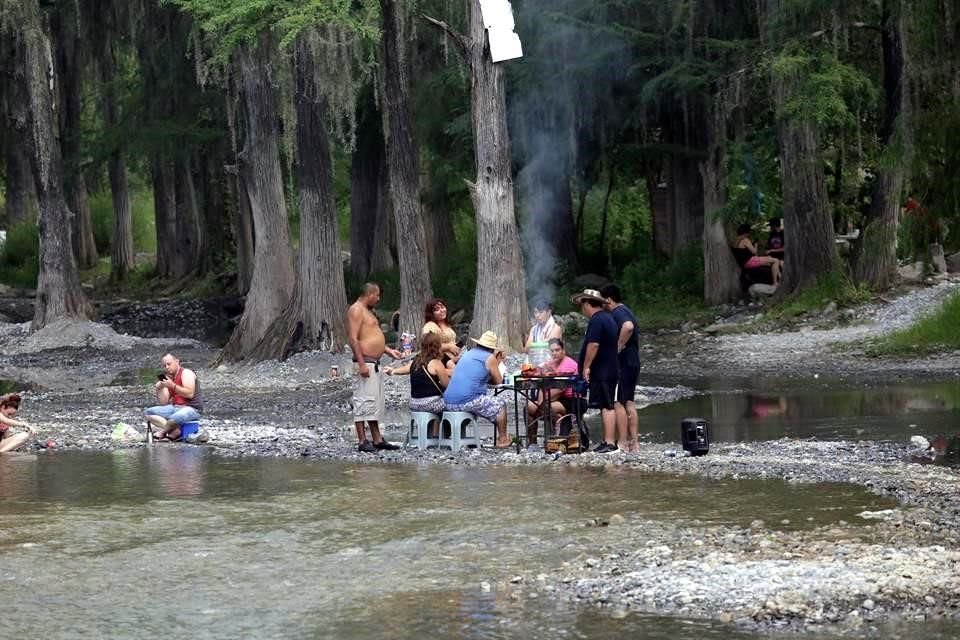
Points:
[(187, 429)]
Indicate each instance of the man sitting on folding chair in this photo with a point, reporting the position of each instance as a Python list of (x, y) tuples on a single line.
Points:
[(561, 400)]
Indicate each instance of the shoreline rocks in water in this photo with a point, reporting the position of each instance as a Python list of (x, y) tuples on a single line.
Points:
[(900, 565)]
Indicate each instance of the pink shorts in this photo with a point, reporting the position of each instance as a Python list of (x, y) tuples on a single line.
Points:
[(754, 262)]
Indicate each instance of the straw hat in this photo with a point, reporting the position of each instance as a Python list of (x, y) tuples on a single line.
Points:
[(488, 340), (586, 294)]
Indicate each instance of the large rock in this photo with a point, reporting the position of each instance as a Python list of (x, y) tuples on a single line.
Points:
[(911, 273), (936, 257), (953, 263), (760, 290)]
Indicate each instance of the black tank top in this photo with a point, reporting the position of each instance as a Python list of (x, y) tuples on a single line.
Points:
[(422, 384)]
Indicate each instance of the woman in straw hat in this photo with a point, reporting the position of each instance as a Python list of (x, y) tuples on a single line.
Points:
[(467, 391)]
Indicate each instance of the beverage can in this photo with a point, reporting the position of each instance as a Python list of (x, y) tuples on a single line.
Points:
[(406, 343)]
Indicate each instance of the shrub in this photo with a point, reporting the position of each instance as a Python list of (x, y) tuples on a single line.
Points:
[(144, 221), (20, 255), (936, 331)]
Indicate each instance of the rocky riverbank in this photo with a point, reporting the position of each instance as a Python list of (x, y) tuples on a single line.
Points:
[(742, 343), (82, 379)]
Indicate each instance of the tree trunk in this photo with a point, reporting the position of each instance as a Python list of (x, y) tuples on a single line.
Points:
[(165, 216), (810, 249), (20, 192), (315, 315), (403, 173), (501, 300), (273, 275), (661, 213), (686, 197), (213, 198), (605, 215), (58, 284), (383, 251), (875, 255), (188, 252), (437, 224), (245, 241), (66, 37), (121, 245), (365, 174), (721, 281), (243, 216)]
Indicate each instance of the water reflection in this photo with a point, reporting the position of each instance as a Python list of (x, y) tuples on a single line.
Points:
[(264, 547), (876, 413)]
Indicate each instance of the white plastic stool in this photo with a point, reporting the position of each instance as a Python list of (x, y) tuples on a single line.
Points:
[(462, 429), (420, 429)]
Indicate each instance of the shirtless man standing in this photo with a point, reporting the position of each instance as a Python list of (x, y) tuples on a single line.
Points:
[(368, 345)]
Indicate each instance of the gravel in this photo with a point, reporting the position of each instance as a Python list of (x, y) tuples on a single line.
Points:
[(902, 564), (824, 343)]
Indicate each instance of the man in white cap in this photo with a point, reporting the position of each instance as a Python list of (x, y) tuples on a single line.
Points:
[(467, 391), (598, 363)]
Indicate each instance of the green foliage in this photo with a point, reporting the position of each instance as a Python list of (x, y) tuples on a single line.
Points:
[(20, 255), (936, 331), (935, 170), (144, 221), (753, 180), (832, 287), (665, 292), (828, 92), (231, 24)]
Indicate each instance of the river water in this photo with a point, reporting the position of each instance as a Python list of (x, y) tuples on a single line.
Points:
[(824, 410), (175, 542)]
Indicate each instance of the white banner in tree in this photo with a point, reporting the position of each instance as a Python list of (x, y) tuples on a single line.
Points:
[(498, 21)]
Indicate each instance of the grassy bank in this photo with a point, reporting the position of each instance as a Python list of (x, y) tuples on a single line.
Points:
[(937, 331)]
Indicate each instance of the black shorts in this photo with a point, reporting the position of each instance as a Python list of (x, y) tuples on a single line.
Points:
[(602, 393), (627, 384)]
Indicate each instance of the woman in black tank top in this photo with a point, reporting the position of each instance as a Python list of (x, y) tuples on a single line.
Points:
[(428, 376)]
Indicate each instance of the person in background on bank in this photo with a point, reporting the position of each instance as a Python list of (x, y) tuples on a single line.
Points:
[(428, 377), (9, 407), (628, 364), (467, 391), (598, 363), (178, 400), (744, 242), (435, 314), (561, 400), (545, 328), (368, 345), (775, 241)]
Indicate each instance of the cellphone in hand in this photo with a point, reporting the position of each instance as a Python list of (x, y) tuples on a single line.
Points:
[(161, 377)]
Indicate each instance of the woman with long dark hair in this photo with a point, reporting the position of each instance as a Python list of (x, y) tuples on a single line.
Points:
[(428, 376), (9, 406), (435, 315)]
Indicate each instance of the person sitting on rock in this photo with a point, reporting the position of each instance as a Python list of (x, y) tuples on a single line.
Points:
[(428, 378), (754, 261), (477, 368), (9, 406), (179, 401)]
